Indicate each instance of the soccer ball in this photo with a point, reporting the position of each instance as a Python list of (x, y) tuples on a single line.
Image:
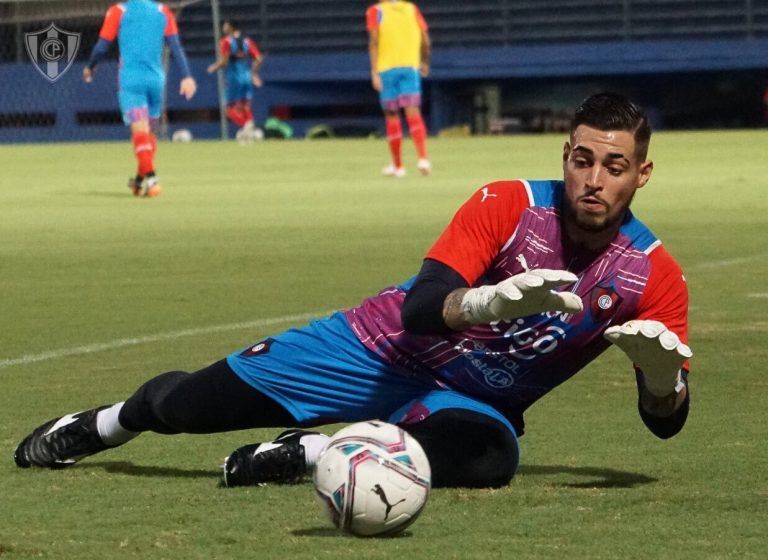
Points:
[(182, 135), (372, 479)]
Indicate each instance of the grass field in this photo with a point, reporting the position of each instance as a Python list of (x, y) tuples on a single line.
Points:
[(101, 291)]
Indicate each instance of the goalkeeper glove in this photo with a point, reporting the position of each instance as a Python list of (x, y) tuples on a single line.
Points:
[(521, 295), (656, 350)]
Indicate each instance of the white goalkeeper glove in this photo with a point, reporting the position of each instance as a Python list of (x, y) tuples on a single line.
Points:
[(521, 295), (656, 350)]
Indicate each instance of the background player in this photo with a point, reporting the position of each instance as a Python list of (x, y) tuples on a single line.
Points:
[(241, 59), (142, 27), (399, 50), (530, 282)]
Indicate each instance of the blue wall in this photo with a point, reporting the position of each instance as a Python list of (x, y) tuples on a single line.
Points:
[(328, 80)]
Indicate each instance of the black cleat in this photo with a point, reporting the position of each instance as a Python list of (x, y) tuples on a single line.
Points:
[(61, 442), (280, 461), (134, 183)]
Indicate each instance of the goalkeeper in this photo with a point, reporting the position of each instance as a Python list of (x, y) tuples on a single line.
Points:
[(530, 282)]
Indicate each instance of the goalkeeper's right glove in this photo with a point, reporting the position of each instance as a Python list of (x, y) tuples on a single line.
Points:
[(523, 294)]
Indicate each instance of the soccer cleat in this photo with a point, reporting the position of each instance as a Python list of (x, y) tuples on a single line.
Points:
[(135, 185), (424, 166), (61, 442), (392, 171), (280, 461), (153, 188), (246, 135)]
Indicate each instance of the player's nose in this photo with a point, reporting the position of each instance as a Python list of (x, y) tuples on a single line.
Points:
[(595, 177)]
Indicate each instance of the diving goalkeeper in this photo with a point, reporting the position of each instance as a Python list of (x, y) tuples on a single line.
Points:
[(530, 282)]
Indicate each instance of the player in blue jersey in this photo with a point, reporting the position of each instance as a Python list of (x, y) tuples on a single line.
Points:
[(241, 60), (530, 282), (142, 28)]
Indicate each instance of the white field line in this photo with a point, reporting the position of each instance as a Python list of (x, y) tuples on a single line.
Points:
[(728, 262), (761, 295), (172, 335)]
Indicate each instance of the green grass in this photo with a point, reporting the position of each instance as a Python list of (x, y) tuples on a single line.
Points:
[(242, 235)]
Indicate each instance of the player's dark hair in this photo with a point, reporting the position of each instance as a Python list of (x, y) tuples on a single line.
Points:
[(613, 111), (233, 24)]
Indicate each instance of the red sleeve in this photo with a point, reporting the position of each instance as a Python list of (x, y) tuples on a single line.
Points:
[(253, 49), (171, 28), (480, 229), (420, 20), (111, 24), (665, 298), (224, 46), (372, 18)]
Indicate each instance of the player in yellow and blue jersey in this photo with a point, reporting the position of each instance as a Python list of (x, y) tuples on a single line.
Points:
[(399, 49)]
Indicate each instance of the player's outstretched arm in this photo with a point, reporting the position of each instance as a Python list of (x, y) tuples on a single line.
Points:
[(656, 351), (527, 293), (219, 64), (658, 355)]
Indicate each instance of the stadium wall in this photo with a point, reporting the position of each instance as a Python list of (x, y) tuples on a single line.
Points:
[(334, 89)]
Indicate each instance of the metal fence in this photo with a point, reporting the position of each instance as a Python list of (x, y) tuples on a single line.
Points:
[(309, 26)]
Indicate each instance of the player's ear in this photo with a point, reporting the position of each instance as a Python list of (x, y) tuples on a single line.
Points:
[(646, 168), (566, 152)]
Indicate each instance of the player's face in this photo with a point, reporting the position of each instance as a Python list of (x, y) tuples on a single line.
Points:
[(226, 28), (602, 173)]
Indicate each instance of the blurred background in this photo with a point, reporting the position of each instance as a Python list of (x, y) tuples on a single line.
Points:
[(498, 66)]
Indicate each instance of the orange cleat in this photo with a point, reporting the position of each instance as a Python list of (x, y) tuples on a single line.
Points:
[(153, 190)]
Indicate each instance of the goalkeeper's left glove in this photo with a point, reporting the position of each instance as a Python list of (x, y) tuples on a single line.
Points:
[(656, 350)]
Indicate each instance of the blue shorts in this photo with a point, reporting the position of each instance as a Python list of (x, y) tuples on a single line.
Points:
[(239, 88), (322, 374), (140, 100), (400, 87)]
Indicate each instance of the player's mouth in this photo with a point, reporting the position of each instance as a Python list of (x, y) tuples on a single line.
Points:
[(592, 204)]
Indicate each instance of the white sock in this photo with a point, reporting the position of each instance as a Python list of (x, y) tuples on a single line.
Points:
[(110, 430), (313, 445)]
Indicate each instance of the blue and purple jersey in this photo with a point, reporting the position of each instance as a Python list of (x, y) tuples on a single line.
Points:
[(504, 229)]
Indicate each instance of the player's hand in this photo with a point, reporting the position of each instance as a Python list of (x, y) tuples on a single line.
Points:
[(87, 75), (424, 69), (657, 351), (212, 68), (188, 87), (256, 79), (523, 294), (376, 81)]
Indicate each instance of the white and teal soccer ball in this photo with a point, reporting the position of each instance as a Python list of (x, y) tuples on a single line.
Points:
[(372, 479), (182, 135)]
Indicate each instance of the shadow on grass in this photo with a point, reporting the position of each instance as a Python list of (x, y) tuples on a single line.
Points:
[(124, 467), (598, 477), (126, 194), (331, 532)]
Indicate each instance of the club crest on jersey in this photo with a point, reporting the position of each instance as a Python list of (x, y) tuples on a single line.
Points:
[(604, 302), (257, 349)]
